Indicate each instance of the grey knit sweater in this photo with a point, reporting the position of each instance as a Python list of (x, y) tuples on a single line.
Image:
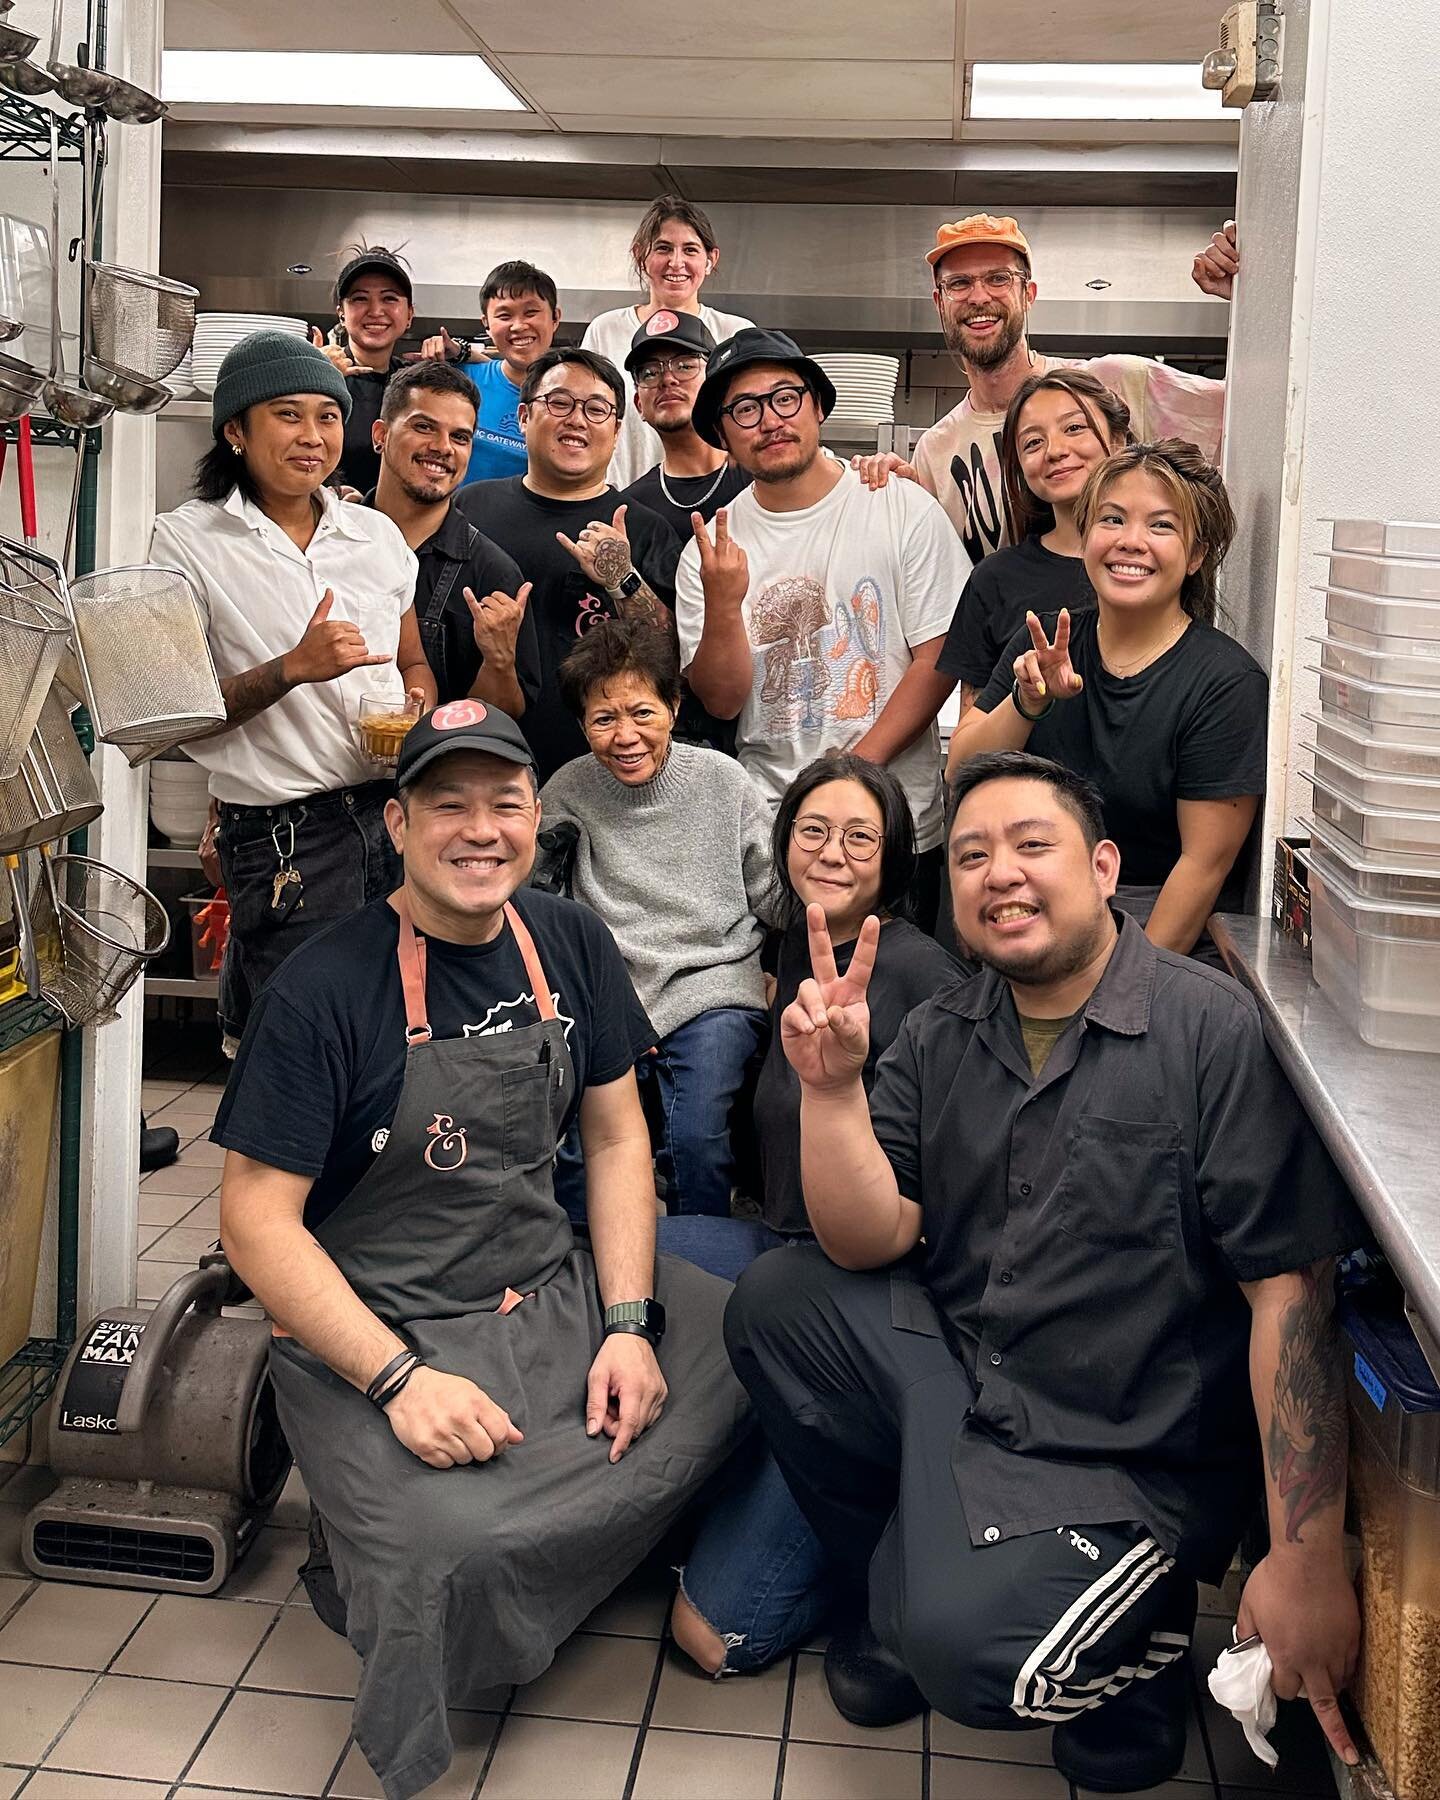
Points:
[(676, 868)]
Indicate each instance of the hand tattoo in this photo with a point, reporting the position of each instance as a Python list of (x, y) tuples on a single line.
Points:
[(1307, 1438), (612, 561)]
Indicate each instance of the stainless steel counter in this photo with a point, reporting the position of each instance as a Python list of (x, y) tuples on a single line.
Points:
[(1377, 1110)]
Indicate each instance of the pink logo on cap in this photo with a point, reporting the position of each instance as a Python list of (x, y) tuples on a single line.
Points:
[(661, 322), (456, 713)]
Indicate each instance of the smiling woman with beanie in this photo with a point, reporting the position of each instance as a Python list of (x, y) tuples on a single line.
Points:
[(309, 608)]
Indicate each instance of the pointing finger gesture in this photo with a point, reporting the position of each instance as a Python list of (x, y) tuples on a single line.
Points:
[(1045, 672)]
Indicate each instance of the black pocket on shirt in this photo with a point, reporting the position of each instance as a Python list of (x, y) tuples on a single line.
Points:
[(1121, 1186), (528, 1135)]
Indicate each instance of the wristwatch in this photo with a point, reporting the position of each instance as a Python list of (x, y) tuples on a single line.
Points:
[(642, 1318), (627, 586)]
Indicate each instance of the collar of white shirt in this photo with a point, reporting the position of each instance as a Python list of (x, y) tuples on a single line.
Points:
[(336, 515)]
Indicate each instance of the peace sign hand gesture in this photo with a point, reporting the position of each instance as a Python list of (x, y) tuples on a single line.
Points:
[(1045, 673), (724, 567), (825, 1030)]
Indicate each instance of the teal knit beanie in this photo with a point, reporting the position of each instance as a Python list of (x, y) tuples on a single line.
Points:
[(266, 365)]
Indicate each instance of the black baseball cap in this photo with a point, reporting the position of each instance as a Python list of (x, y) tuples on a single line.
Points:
[(665, 330), (460, 725), (753, 345), (379, 262)]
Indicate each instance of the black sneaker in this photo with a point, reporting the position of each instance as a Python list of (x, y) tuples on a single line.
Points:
[(1135, 1741), (868, 1685), (159, 1146)]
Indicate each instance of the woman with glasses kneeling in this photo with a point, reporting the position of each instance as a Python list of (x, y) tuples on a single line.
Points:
[(669, 844), (755, 1584)]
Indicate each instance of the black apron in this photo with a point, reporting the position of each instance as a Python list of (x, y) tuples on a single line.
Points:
[(458, 1580)]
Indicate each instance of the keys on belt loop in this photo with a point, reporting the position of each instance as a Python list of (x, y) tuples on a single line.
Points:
[(287, 888)]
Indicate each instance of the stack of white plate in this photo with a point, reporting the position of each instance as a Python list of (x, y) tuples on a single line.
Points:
[(181, 380), (864, 387), (215, 333)]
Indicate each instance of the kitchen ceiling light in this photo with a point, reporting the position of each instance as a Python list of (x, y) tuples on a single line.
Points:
[(337, 78), (1090, 91)]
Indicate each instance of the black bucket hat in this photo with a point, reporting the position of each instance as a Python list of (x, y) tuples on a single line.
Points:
[(753, 345)]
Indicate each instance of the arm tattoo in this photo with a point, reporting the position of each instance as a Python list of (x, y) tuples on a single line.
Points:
[(645, 604), (254, 690), (1307, 1436)]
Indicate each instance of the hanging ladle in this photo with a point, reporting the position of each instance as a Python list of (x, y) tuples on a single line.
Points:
[(15, 45), (26, 78), (78, 85), (70, 402)]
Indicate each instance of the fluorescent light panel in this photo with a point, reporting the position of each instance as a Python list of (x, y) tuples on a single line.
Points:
[(1091, 91), (336, 78)]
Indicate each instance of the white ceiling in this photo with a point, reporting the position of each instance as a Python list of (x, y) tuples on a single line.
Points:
[(807, 69)]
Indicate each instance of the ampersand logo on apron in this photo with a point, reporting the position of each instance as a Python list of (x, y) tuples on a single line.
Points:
[(449, 1140)]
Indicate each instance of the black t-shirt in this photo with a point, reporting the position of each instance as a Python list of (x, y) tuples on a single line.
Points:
[(1020, 578), (1190, 727), (318, 1076), (452, 558), (693, 493), (909, 968), (564, 603), (359, 460)]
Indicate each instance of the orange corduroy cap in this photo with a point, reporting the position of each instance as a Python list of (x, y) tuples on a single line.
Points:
[(980, 228)]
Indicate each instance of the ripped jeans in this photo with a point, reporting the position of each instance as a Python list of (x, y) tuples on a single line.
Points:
[(756, 1573)]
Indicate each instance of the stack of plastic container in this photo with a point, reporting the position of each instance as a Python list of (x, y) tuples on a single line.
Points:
[(1375, 850)]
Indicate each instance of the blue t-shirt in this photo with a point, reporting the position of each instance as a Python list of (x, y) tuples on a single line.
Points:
[(499, 445)]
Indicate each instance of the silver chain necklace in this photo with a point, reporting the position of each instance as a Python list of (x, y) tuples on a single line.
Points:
[(694, 505)]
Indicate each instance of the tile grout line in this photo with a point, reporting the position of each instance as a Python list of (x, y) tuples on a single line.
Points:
[(785, 1720), (226, 1703), (639, 1748), (494, 1744), (925, 1754), (1197, 1700)]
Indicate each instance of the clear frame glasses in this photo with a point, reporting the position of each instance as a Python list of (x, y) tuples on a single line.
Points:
[(561, 404), (749, 409), (994, 281), (861, 843), (683, 368)]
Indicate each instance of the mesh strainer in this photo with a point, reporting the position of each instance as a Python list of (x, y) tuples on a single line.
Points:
[(94, 930), (144, 660), (33, 636), (52, 793), (140, 322)]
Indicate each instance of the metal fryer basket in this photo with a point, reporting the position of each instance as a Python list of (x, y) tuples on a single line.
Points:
[(52, 793), (94, 930), (33, 635), (144, 658), (140, 322)]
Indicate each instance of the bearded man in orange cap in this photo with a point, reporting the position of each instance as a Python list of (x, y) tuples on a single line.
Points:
[(984, 289)]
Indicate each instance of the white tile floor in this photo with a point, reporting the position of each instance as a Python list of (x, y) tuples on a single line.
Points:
[(109, 1694)]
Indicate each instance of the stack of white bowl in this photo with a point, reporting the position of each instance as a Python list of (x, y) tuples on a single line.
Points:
[(215, 333), (864, 388), (1375, 852), (179, 799)]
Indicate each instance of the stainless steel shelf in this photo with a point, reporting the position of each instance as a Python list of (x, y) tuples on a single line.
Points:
[(176, 987), (157, 858)]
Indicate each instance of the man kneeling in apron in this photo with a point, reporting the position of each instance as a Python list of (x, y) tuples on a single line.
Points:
[(465, 1389)]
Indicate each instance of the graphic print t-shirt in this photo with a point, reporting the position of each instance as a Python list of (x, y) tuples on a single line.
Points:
[(317, 1080), (840, 594), (498, 448), (564, 602), (958, 458)]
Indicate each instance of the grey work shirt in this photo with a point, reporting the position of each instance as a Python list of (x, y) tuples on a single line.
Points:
[(1086, 1232)]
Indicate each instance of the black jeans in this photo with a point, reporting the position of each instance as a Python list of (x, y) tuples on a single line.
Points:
[(340, 846), (861, 1401)]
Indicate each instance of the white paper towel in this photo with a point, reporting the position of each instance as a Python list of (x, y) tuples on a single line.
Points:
[(1240, 1682)]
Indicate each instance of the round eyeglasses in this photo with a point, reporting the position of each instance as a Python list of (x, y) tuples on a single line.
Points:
[(561, 404), (749, 409), (683, 368), (861, 843)]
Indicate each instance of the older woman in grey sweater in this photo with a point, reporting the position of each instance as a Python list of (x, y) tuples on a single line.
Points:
[(673, 853)]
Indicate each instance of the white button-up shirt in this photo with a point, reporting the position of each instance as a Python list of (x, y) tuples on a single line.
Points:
[(258, 590)]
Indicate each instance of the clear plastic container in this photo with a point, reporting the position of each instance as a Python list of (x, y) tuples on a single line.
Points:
[(1381, 615), (1338, 736), (1402, 577), (1374, 874), (1385, 661), (1380, 703), (1378, 961), (1376, 827), (1369, 788), (1386, 537), (1394, 1411)]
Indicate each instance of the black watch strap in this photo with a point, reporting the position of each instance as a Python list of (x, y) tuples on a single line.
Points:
[(631, 1328)]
